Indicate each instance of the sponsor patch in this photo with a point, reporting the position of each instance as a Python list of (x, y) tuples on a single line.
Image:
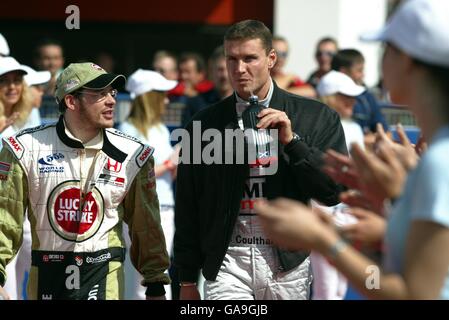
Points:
[(113, 165), (53, 258), (78, 261), (96, 67), (124, 135), (151, 179), (72, 216), (5, 167), (72, 83), (102, 258), (49, 164), (3, 177), (110, 179), (15, 146), (143, 156)]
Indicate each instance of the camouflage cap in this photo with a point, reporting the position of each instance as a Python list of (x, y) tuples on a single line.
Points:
[(85, 75)]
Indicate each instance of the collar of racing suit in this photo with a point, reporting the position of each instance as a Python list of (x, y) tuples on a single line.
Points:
[(108, 148)]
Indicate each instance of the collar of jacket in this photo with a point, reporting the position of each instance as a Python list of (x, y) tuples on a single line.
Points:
[(108, 148)]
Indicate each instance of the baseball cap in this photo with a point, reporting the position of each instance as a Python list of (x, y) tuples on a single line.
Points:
[(142, 81), (8, 64), (33, 77), (4, 48), (420, 28), (85, 75), (335, 82)]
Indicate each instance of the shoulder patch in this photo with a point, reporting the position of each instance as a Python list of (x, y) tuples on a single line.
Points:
[(15, 146), (34, 129), (124, 135), (144, 155)]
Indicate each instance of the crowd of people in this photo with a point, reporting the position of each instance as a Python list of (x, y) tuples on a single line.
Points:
[(91, 208)]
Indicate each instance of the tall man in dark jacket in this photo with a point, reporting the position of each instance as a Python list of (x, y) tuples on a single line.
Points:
[(217, 229)]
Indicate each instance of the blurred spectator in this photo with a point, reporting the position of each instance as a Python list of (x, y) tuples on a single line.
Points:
[(148, 90), (325, 50), (166, 64), (288, 81), (106, 61), (219, 74), (49, 56), (15, 96), (338, 91), (19, 268), (194, 90), (367, 112), (192, 74)]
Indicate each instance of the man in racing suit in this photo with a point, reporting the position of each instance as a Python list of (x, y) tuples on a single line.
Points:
[(216, 227), (79, 179)]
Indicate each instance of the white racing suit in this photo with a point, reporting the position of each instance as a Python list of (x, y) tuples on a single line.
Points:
[(77, 243)]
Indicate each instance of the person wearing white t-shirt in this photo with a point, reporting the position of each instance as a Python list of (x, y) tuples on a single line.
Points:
[(338, 91), (148, 91)]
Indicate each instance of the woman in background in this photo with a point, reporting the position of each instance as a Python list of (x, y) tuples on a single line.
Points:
[(148, 91)]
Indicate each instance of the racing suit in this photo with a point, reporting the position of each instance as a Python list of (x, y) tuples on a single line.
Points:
[(78, 254)]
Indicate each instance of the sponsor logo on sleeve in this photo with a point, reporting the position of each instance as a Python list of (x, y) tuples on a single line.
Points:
[(144, 155), (15, 146), (5, 167), (4, 170)]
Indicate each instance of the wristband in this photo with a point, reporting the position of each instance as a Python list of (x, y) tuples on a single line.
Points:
[(187, 284)]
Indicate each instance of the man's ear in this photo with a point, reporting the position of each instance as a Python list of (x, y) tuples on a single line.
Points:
[(272, 58), (70, 101)]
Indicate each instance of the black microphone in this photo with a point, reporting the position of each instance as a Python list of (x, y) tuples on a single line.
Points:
[(249, 116)]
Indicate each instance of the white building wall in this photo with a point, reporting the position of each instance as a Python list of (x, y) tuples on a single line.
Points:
[(304, 22)]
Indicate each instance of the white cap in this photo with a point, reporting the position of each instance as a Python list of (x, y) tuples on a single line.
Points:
[(142, 81), (335, 82), (33, 77), (420, 28), (4, 48), (8, 64)]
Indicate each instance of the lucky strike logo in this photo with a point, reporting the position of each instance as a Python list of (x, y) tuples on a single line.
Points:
[(68, 215), (73, 216)]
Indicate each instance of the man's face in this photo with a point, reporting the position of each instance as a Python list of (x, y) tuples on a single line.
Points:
[(167, 67), (96, 107), (281, 48), (220, 75), (189, 73), (324, 55), (50, 59), (356, 73), (344, 105), (249, 67)]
